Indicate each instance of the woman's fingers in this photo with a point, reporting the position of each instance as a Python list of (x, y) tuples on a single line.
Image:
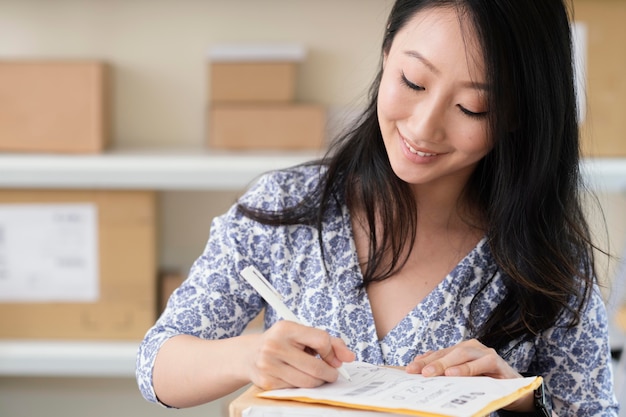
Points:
[(422, 361), (293, 355), (467, 358), (340, 352)]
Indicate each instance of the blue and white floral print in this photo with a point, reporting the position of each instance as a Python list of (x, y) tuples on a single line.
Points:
[(215, 302)]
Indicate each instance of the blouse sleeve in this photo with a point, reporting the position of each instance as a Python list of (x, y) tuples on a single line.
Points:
[(211, 303), (214, 302), (576, 364)]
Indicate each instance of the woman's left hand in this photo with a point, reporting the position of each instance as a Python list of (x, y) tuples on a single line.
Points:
[(469, 358)]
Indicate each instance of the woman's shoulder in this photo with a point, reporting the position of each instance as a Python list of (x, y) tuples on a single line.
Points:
[(282, 188)]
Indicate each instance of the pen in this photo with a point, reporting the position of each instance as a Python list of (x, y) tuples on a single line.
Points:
[(273, 298)]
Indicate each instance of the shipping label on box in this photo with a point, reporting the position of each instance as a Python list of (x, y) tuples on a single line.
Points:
[(113, 232), (48, 253)]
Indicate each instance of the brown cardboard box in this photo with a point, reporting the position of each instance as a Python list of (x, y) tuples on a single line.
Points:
[(126, 243), (54, 106), (253, 73), (604, 128), (249, 399), (280, 126), (246, 82), (168, 282)]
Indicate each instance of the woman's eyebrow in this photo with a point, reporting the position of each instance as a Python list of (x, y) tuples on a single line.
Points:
[(467, 84), (423, 60)]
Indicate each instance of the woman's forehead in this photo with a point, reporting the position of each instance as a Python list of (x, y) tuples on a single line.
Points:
[(441, 35)]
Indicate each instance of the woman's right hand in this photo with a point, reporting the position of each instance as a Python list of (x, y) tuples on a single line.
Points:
[(293, 355)]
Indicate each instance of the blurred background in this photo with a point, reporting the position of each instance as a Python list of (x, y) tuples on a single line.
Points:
[(156, 100)]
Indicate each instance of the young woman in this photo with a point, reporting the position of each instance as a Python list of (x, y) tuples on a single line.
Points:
[(443, 233)]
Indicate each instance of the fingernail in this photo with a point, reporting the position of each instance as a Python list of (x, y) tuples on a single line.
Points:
[(429, 370), (453, 372)]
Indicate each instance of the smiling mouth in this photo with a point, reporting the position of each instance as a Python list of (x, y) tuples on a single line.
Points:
[(416, 152)]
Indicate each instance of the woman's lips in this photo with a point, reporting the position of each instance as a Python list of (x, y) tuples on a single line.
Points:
[(418, 152)]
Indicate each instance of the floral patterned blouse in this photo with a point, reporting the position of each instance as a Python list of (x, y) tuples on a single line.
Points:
[(215, 302)]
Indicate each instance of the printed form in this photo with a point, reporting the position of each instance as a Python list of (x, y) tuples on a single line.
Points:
[(395, 391)]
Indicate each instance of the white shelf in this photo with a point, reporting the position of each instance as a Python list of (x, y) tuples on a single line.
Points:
[(605, 174), (67, 358), (47, 358), (153, 169), (196, 169)]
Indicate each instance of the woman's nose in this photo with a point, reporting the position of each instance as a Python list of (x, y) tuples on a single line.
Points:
[(426, 122)]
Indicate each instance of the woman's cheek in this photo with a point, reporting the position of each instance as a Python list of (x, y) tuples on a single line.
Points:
[(392, 101)]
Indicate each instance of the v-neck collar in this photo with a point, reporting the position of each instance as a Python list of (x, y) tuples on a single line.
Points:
[(438, 299), (423, 312)]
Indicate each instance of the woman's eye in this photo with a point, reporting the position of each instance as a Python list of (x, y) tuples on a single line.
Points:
[(476, 115), (411, 85)]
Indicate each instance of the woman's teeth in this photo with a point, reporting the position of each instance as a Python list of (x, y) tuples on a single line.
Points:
[(415, 151)]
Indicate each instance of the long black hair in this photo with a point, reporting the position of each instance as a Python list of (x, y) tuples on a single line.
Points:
[(528, 187)]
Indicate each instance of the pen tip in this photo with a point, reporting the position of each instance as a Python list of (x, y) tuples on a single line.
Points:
[(345, 374)]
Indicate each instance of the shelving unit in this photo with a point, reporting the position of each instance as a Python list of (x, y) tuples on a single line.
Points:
[(67, 358), (161, 170), (196, 169), (605, 174), (153, 169)]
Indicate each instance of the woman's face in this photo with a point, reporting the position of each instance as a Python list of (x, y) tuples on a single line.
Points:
[(432, 101)]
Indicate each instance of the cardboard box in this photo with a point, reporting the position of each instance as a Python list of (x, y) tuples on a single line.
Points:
[(277, 127), (124, 308), (254, 73), (605, 124), (54, 106), (249, 82), (168, 282), (249, 399)]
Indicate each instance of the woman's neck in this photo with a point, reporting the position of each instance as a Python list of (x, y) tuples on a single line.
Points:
[(445, 207)]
